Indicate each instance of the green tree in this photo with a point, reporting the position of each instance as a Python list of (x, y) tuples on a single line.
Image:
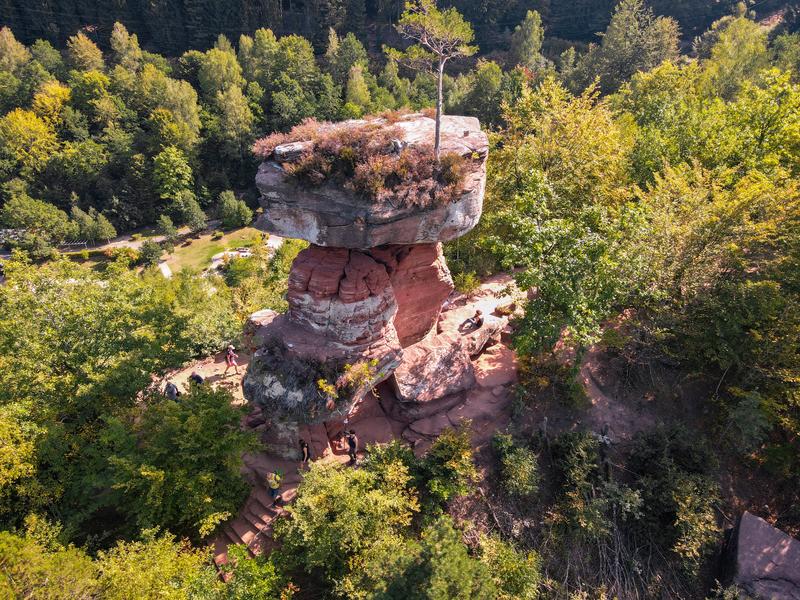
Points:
[(168, 230), (191, 214), (150, 253), (176, 464), (235, 123), (13, 54), (342, 55), (737, 56), (219, 72), (125, 48), (172, 172), (83, 54), (37, 217), (31, 570), (635, 40), (46, 55), (232, 211), (27, 140), (252, 577), (339, 512), (357, 92), (526, 41), (155, 566), (439, 36)]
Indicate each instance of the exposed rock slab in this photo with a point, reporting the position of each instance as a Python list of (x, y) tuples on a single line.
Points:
[(433, 368), (766, 560), (329, 215)]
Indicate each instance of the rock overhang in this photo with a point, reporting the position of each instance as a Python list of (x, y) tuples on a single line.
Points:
[(333, 215)]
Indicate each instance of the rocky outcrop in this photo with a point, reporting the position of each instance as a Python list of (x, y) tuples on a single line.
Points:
[(342, 295), (766, 561), (331, 215), (371, 284), (433, 368)]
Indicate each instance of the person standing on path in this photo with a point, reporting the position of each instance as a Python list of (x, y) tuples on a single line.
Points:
[(352, 446), (230, 360), (304, 452)]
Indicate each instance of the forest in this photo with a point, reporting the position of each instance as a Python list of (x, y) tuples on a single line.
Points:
[(649, 176)]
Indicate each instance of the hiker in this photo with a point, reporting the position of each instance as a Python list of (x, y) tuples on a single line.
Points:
[(230, 360), (196, 378), (352, 445), (304, 452), (274, 484), (475, 321), (171, 391)]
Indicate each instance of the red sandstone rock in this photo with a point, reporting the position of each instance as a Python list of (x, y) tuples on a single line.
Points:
[(342, 295), (421, 282), (433, 368), (766, 560)]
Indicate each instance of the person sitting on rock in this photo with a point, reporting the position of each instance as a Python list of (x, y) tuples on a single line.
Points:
[(274, 484), (352, 446), (475, 321), (304, 452), (195, 377)]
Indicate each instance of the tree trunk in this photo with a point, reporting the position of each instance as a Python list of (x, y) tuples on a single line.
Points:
[(438, 112)]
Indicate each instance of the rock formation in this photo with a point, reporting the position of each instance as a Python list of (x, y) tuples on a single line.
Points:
[(366, 295), (765, 562)]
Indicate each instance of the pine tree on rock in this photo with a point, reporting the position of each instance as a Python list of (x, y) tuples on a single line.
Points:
[(439, 35)]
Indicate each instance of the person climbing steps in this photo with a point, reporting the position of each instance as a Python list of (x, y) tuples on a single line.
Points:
[(273, 485)]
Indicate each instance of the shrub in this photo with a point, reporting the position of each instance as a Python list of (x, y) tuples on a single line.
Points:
[(466, 283), (130, 255), (519, 469), (364, 158), (137, 236), (517, 575), (448, 467), (217, 235)]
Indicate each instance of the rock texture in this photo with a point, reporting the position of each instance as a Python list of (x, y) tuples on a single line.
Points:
[(766, 561), (329, 215), (371, 284), (421, 282), (433, 368)]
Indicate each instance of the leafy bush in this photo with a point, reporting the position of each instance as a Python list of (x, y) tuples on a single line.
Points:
[(519, 468), (448, 467), (673, 468), (466, 283), (517, 574)]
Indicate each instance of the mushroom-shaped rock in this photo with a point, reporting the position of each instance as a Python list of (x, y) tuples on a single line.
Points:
[(370, 204)]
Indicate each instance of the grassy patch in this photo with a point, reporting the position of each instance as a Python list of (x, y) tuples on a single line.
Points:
[(196, 253)]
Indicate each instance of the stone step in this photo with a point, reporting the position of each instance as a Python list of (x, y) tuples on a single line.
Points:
[(243, 530)]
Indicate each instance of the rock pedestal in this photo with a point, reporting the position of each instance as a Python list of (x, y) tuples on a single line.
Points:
[(371, 284)]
